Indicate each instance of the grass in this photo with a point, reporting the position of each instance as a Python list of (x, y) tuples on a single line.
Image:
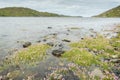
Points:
[(80, 57), (26, 57), (116, 41), (30, 55), (98, 43)]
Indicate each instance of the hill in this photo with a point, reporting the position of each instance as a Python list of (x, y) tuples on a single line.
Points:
[(24, 12), (115, 12)]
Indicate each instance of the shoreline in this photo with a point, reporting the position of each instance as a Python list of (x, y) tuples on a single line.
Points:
[(99, 46)]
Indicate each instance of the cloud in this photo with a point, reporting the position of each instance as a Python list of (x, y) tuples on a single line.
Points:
[(67, 7)]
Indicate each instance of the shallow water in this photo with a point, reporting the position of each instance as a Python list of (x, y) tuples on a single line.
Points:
[(13, 29)]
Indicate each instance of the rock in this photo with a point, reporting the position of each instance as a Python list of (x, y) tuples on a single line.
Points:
[(97, 72), (116, 48), (54, 34), (91, 29), (101, 52), (57, 52), (39, 41), (50, 43), (95, 50), (4, 78), (68, 30), (26, 44), (91, 35), (1, 77), (60, 77), (65, 40), (115, 60), (82, 38), (114, 56), (44, 40), (49, 27)]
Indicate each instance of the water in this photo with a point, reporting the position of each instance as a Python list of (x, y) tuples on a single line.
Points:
[(13, 29)]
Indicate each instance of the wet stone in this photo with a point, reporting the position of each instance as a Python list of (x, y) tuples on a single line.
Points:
[(65, 40), (44, 40), (39, 41), (49, 27), (50, 43), (57, 52), (26, 44)]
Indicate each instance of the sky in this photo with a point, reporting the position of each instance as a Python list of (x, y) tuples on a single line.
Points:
[(85, 8)]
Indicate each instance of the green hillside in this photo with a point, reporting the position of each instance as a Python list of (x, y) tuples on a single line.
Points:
[(115, 12), (24, 12)]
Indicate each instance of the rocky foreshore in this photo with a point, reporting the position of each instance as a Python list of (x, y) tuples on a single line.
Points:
[(94, 57)]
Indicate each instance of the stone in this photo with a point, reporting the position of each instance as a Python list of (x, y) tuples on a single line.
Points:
[(39, 41), (44, 40), (115, 60), (57, 52), (27, 44), (82, 38), (97, 72), (66, 40), (50, 43), (49, 27)]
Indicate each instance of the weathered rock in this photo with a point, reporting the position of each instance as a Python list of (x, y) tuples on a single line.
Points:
[(91, 35), (91, 29), (82, 38), (49, 27), (44, 40), (39, 41), (66, 40), (115, 60), (95, 51), (97, 72), (57, 52), (26, 44), (116, 48), (50, 43), (54, 34)]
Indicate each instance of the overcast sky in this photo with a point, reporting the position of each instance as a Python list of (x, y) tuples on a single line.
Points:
[(84, 8)]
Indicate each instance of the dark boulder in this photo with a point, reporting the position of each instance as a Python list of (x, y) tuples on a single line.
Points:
[(26, 44), (44, 40), (65, 40), (57, 52), (49, 27)]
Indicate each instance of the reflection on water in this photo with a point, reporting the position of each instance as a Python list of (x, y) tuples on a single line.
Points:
[(33, 29)]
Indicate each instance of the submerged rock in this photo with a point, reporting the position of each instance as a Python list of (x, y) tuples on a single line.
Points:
[(26, 44), (49, 27), (66, 40)]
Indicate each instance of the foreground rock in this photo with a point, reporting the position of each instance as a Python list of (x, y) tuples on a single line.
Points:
[(57, 48), (58, 52), (26, 44)]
